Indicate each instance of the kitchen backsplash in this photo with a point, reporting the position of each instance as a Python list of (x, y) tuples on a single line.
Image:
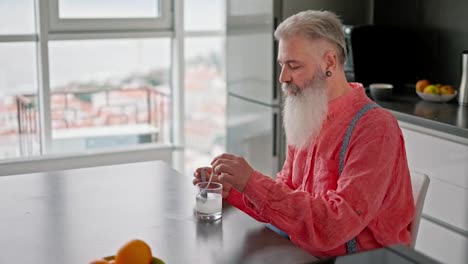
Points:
[(444, 34)]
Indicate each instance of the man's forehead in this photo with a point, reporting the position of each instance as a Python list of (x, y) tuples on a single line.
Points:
[(295, 49), (292, 55)]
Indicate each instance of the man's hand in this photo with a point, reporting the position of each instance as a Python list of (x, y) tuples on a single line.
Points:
[(232, 169), (197, 178)]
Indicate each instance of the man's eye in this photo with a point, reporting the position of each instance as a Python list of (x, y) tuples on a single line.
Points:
[(294, 67)]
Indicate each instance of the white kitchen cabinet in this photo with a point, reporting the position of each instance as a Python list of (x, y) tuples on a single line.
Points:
[(443, 232), (448, 203), (445, 159), (441, 244)]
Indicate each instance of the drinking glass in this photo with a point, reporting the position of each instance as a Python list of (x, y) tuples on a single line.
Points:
[(209, 203)]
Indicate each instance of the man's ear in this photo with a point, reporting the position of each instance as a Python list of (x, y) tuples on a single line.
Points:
[(330, 59)]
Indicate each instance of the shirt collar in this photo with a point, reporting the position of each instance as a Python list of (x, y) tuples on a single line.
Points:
[(346, 101)]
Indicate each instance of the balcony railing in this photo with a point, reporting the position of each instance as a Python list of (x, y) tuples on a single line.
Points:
[(86, 111), (27, 125)]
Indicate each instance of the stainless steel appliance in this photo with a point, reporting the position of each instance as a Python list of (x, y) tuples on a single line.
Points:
[(463, 90), (254, 123), (349, 63)]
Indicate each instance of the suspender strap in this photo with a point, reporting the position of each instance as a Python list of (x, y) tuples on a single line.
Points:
[(351, 245), (349, 131)]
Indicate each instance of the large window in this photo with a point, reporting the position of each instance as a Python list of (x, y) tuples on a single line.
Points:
[(100, 75), (97, 75)]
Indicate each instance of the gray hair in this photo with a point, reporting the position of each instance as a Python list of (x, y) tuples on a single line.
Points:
[(315, 24)]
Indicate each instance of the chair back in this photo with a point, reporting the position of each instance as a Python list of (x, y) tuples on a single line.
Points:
[(420, 184)]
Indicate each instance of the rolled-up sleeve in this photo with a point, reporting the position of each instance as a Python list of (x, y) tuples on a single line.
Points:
[(283, 177)]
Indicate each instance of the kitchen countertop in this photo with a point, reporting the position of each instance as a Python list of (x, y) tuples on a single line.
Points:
[(449, 118)]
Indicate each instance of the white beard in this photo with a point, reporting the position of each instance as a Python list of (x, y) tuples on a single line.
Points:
[(305, 111)]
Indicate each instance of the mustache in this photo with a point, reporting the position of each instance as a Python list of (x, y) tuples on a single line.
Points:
[(290, 88)]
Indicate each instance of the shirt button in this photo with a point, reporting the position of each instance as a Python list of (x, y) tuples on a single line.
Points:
[(359, 212)]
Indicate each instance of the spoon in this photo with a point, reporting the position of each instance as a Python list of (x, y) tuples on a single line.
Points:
[(203, 192), (203, 175)]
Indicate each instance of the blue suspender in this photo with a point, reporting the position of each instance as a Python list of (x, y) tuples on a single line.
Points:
[(349, 131), (277, 230), (351, 245)]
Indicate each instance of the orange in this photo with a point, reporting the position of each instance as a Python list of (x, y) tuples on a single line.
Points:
[(447, 89), (421, 84), (134, 252), (99, 261)]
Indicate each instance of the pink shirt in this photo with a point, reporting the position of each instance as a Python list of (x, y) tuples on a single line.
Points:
[(371, 200)]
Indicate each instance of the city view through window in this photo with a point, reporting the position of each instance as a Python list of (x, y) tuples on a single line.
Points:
[(18, 76), (107, 93)]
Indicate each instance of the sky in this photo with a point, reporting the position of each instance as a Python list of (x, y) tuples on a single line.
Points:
[(100, 8)]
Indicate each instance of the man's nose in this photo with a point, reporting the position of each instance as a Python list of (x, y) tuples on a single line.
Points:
[(285, 76)]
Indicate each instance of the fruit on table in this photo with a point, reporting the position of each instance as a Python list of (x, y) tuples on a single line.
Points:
[(431, 89), (421, 84), (134, 252), (425, 86), (446, 89)]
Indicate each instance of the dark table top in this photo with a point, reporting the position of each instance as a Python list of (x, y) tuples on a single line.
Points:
[(75, 216), (447, 117)]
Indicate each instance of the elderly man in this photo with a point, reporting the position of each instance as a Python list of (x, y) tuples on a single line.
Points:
[(345, 186)]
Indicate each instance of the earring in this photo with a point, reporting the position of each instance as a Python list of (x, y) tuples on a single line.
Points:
[(328, 73)]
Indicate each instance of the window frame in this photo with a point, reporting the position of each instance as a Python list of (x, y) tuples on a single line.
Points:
[(50, 28), (140, 29), (57, 24)]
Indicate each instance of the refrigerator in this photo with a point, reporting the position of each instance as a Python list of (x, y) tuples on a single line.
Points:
[(254, 97)]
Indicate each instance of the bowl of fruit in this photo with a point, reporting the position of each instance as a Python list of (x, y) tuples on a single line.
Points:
[(439, 93), (135, 251)]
